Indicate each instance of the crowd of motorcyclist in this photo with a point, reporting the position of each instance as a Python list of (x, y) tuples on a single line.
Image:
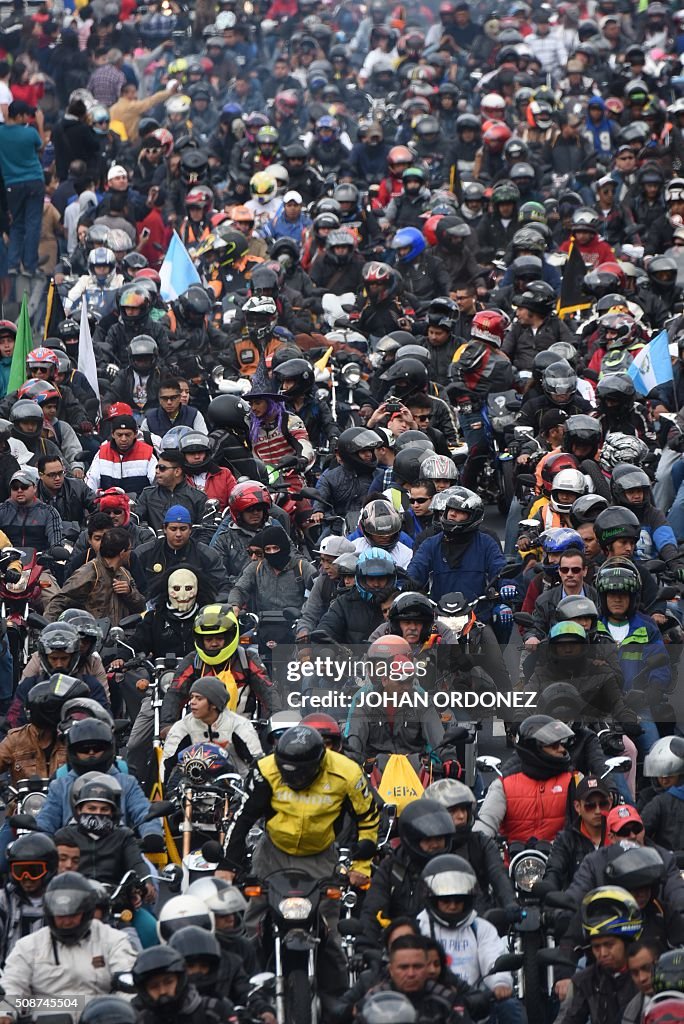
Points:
[(392, 416)]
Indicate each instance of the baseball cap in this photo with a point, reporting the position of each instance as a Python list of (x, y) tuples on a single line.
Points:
[(23, 476), (334, 546), (124, 423), (591, 784), (178, 514), (621, 816), (292, 197), (117, 171), (19, 107)]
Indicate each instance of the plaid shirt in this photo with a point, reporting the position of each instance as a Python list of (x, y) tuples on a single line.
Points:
[(550, 50), (105, 84)]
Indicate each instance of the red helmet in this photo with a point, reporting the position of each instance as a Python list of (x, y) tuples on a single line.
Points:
[(39, 391), (492, 106), (202, 196), (165, 138), (147, 273), (377, 273), (44, 357), (611, 267), (663, 1010), (496, 136), (489, 325), (246, 495), (7, 327), (326, 726), (553, 465), (399, 155), (286, 102), (429, 228)]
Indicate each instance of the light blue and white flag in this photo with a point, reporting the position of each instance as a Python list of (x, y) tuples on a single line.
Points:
[(86, 354), (652, 366), (177, 272)]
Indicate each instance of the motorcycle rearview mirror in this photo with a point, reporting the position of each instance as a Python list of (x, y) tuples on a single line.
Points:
[(124, 982), (523, 619), (263, 980), (292, 614), (456, 734), (526, 480), (36, 621), (667, 593), (487, 763), (365, 849), (506, 962), (212, 851), (160, 809), (116, 634), (309, 492), (172, 876), (654, 565), (121, 725), (555, 958), (350, 926), (452, 604), (129, 621), (617, 764), (59, 553)]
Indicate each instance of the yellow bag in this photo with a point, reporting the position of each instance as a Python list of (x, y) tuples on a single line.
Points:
[(399, 784)]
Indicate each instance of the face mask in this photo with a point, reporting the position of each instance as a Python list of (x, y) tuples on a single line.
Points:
[(278, 560), (96, 824), (182, 590)]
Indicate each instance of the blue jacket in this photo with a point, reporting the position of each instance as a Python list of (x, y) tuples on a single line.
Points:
[(482, 560), (641, 642), (5, 367), (56, 811)]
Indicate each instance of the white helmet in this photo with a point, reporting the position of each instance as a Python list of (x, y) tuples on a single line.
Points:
[(181, 912), (438, 467), (674, 190), (666, 757), (279, 175), (178, 105), (450, 793), (570, 480)]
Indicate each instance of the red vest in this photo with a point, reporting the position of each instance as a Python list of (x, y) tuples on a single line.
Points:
[(534, 807)]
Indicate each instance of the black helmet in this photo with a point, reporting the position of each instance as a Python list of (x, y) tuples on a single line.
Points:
[(86, 626), (193, 944), (559, 381), (583, 430), (618, 575), (448, 875), (134, 303), (44, 701), (668, 974), (412, 606), (406, 377), (97, 786), (387, 1008), (586, 508), (464, 500), (346, 192), (627, 477), (528, 240), (194, 305), (537, 732), (542, 361), (407, 463), (565, 350), (95, 736), (424, 819), (69, 330), (33, 856), (59, 637), (159, 960), (228, 412), (108, 1010), (616, 523), (418, 352), (539, 297), (288, 249), (615, 393), (413, 439), (194, 442), (636, 868), (528, 268), (299, 756), (662, 273), (67, 895), (354, 440), (143, 352), (298, 370)]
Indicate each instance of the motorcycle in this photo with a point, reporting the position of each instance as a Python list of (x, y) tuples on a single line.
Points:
[(20, 593), (499, 411)]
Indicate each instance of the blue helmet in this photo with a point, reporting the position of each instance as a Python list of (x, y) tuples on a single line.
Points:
[(558, 539), (374, 562), (411, 237)]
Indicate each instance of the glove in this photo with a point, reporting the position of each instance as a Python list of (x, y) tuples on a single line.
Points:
[(513, 913), (152, 843), (508, 592), (504, 614), (86, 427)]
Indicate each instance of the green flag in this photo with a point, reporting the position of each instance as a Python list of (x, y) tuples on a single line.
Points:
[(22, 347)]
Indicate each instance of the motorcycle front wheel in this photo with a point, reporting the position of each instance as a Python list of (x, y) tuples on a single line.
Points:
[(299, 998)]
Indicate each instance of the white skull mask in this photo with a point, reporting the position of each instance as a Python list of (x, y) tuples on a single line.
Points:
[(182, 590)]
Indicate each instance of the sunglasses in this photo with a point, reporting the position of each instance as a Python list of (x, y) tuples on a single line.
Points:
[(635, 829), (98, 748), (593, 805), (558, 745), (164, 469), (418, 501), (19, 487), (54, 476), (421, 418), (20, 870), (573, 569)]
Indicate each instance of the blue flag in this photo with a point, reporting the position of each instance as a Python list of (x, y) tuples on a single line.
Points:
[(652, 366), (177, 272)]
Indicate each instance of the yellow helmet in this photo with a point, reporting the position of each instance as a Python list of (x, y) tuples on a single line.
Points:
[(262, 187), (611, 910), (216, 620)]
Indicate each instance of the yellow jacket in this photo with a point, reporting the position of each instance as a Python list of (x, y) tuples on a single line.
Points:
[(303, 823)]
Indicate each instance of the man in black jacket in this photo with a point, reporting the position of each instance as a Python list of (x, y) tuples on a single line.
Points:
[(588, 833), (72, 498), (176, 547), (170, 490)]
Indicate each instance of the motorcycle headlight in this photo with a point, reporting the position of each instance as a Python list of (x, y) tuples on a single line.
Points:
[(295, 908), (217, 374), (22, 583), (33, 803), (165, 681), (527, 869), (351, 373)]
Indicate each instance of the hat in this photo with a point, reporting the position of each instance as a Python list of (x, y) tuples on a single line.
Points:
[(19, 107), (213, 689), (606, 20), (117, 171), (346, 564), (292, 197), (124, 423), (552, 418), (178, 514), (334, 546), (591, 784), (621, 816), (272, 535), (607, 179), (24, 476)]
